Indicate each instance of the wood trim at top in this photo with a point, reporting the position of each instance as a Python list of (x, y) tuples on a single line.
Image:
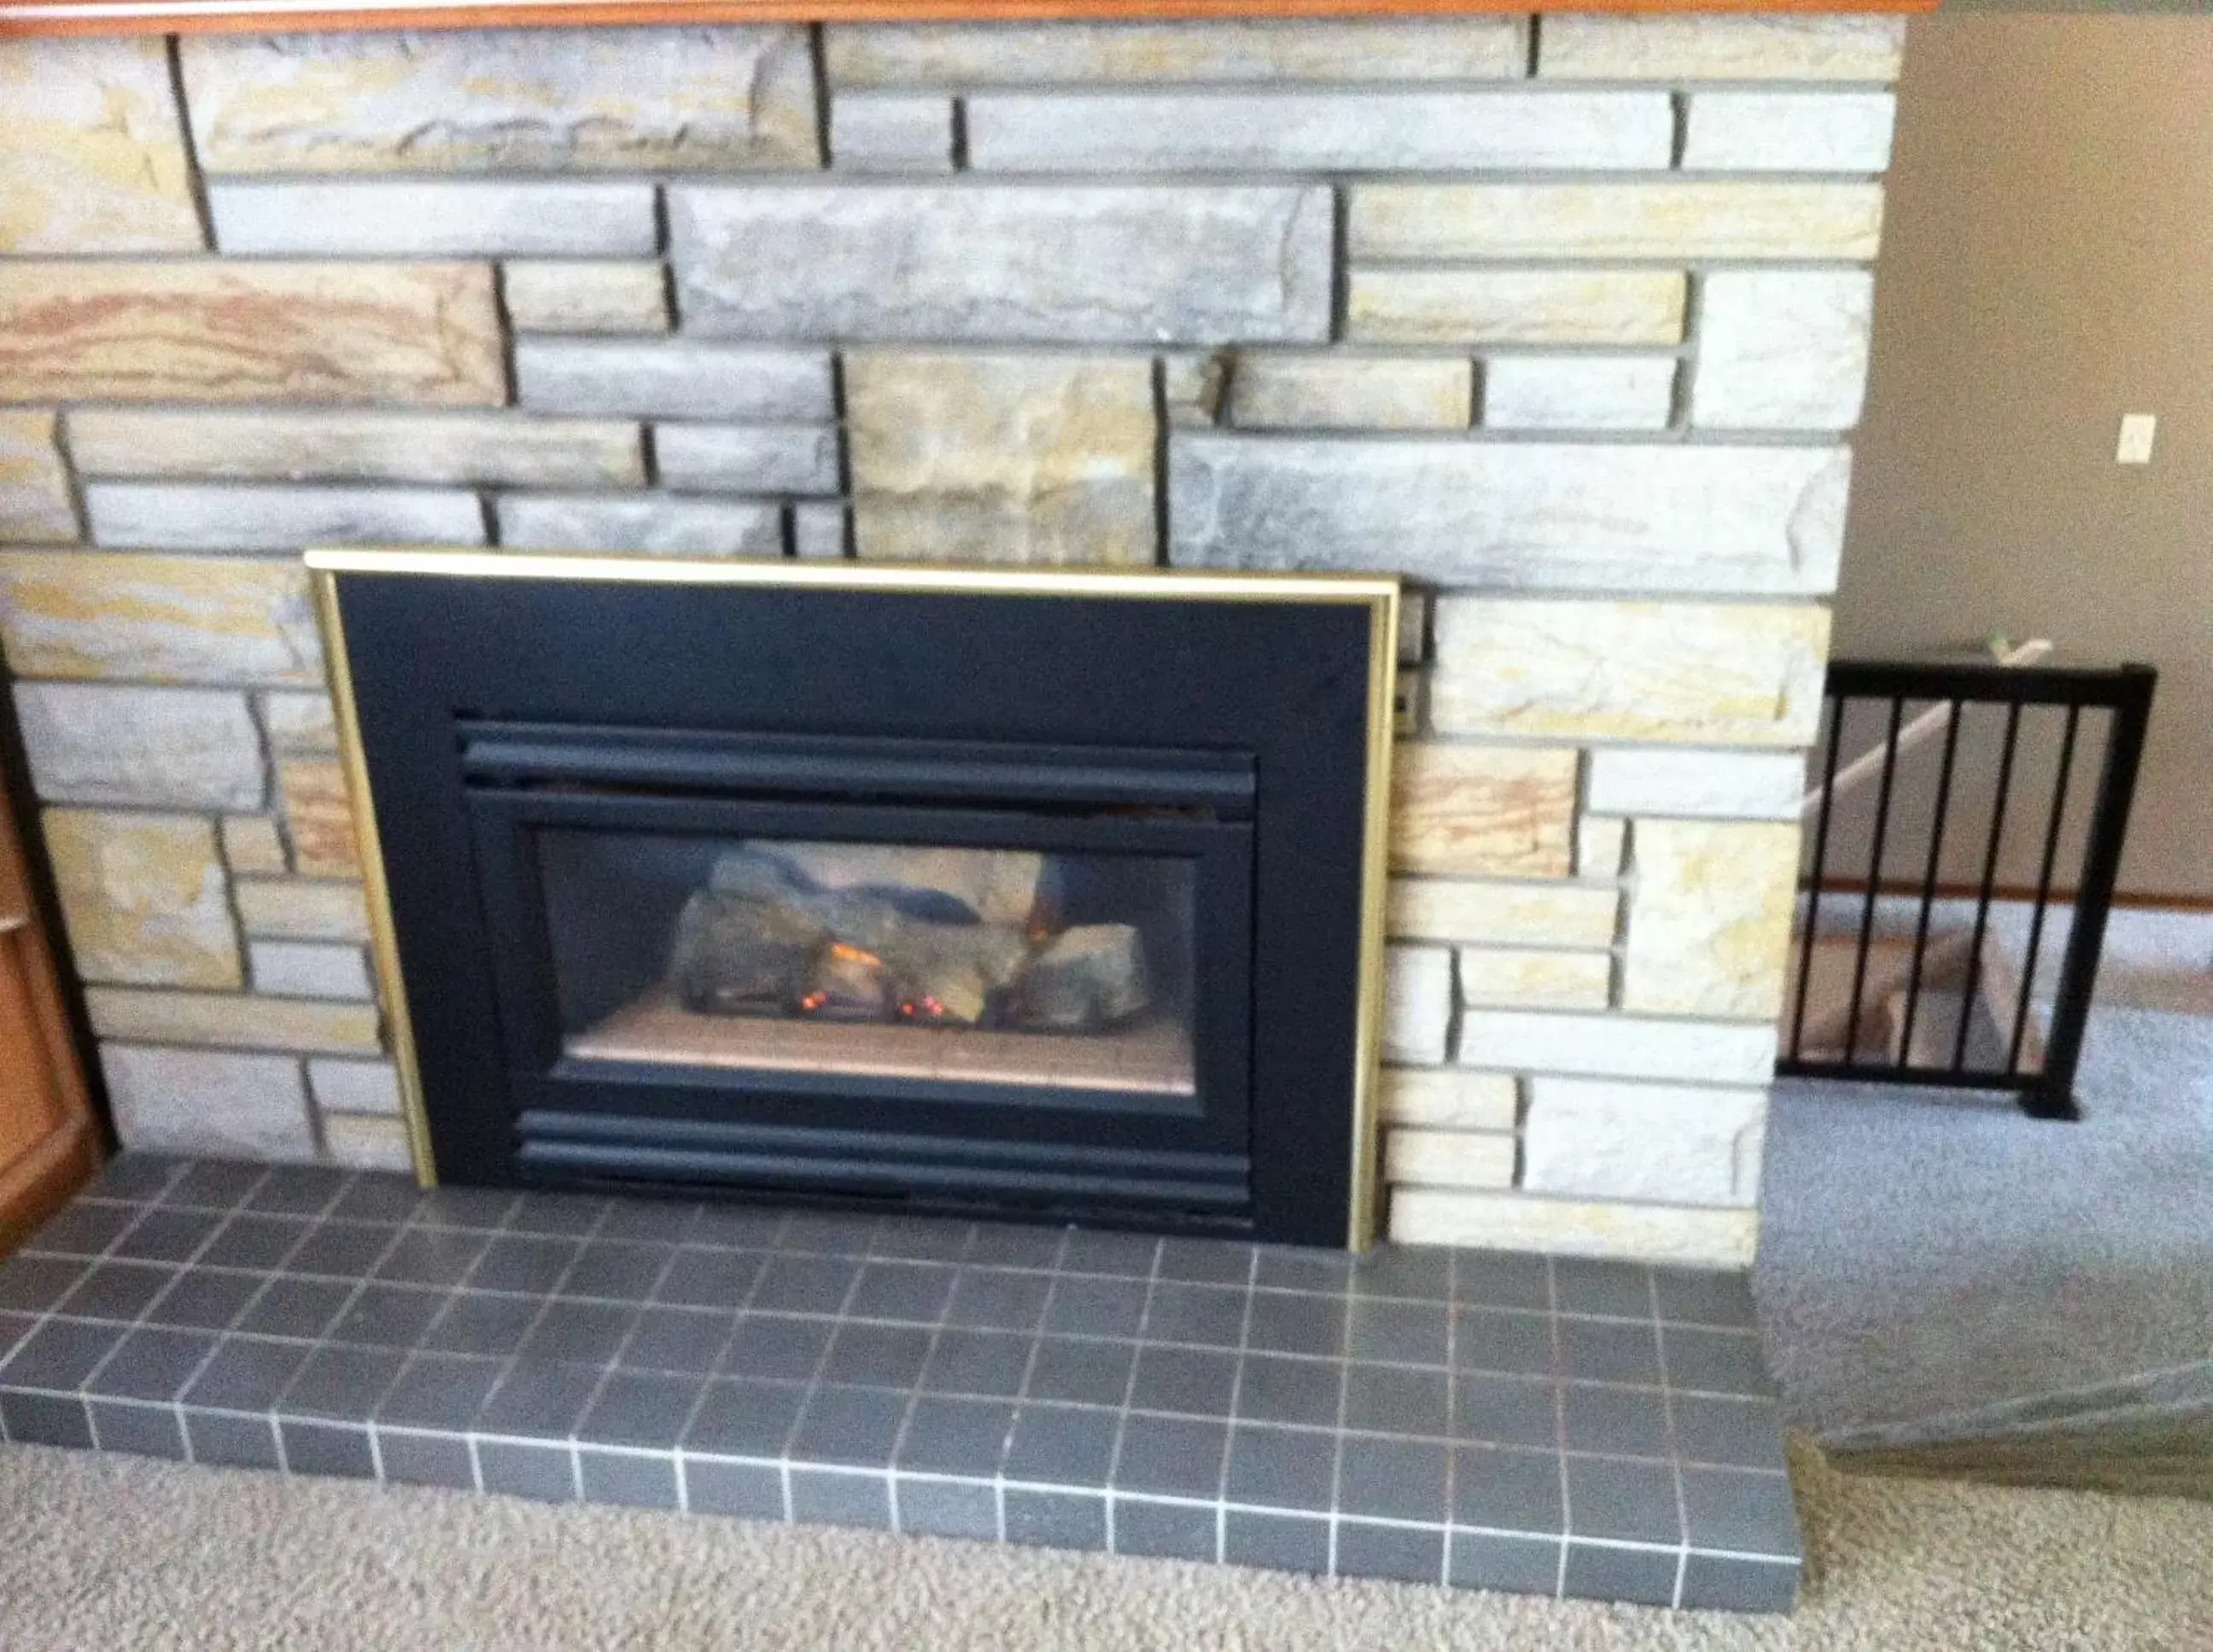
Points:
[(24, 17)]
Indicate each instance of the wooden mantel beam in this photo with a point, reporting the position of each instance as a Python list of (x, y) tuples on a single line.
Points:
[(24, 17)]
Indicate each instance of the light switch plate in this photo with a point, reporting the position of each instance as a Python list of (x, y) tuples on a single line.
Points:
[(2137, 432)]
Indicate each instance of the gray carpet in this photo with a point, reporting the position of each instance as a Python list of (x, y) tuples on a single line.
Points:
[(104, 1554), (1924, 1255)]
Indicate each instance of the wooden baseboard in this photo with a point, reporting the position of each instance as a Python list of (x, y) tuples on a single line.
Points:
[(39, 1183)]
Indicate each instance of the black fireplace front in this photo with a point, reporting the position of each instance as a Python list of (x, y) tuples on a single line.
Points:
[(1038, 895)]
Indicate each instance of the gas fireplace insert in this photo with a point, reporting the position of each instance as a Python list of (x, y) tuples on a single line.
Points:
[(1046, 895)]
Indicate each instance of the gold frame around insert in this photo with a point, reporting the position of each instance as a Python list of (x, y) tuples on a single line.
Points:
[(1378, 593)]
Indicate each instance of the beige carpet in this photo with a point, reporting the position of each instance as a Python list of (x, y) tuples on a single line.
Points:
[(104, 1554)]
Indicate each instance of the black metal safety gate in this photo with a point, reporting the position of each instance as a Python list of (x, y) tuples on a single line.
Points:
[(1948, 830)]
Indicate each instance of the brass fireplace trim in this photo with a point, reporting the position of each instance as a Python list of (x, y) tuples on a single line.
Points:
[(1379, 594)]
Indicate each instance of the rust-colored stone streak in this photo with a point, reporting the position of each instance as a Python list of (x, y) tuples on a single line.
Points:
[(416, 334)]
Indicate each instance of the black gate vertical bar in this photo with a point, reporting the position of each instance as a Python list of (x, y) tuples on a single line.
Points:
[(2053, 1096), (1929, 883), (1972, 982), (1837, 703), (1875, 876), (2022, 1006)]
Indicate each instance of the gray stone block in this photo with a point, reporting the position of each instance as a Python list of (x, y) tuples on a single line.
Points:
[(672, 380), (213, 1101), (104, 743), (943, 261), (748, 458), (651, 524), (1271, 130), (215, 516), (1520, 513), (891, 131), (430, 219)]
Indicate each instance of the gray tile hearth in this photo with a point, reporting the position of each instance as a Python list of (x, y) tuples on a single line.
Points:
[(1466, 1418)]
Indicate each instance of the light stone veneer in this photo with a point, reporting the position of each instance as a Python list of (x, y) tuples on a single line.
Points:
[(1657, 220), (672, 380), (1365, 306), (1614, 516), (934, 261), (251, 1107), (167, 747), (1722, 48), (968, 54), (585, 296), (1709, 674), (185, 517), (649, 524), (431, 220), (748, 458), (525, 100), (1578, 393), (1783, 351), (1710, 916), (1594, 1138), (35, 507), (299, 445), (144, 898), (1728, 786), (90, 614), (1282, 390), (1298, 131), (1788, 132), (92, 151), (215, 332), (891, 131), (1417, 1003), (1001, 458)]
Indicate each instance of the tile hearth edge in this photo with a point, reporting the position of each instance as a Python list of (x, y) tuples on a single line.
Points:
[(1581, 1429)]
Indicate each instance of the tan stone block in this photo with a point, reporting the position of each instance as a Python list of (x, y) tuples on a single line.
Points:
[(1611, 221), (365, 1142), (1481, 809), (299, 446), (585, 296), (1685, 1234), (144, 898), (1317, 49), (706, 99), (235, 1021), (92, 152), (974, 458), (251, 843), (1516, 914), (319, 817), (1507, 977), (1712, 673), (1516, 307), (1449, 1158), (302, 909), (35, 506), (1577, 47), (1273, 391), (158, 618), (236, 330), (300, 723), (1710, 918), (1447, 1098)]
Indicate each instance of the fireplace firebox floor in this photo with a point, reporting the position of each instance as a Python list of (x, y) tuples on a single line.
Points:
[(1465, 1417)]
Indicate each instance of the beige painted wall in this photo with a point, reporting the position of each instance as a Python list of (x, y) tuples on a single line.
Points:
[(2048, 265)]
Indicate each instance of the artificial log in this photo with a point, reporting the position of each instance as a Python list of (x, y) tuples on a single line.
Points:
[(1085, 980), (991, 886)]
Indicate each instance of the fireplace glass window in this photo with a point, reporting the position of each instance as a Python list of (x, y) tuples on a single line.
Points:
[(991, 966)]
